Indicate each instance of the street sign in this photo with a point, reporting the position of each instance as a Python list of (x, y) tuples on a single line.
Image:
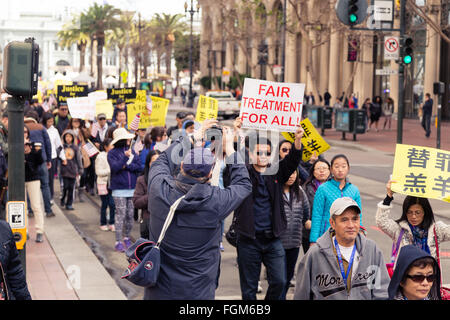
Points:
[(277, 70), (383, 10), (385, 72), (391, 47)]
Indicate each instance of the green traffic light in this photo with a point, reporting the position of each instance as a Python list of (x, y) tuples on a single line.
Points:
[(353, 18), (407, 59)]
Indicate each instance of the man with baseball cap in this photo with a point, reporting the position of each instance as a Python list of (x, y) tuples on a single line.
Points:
[(344, 264), (190, 255)]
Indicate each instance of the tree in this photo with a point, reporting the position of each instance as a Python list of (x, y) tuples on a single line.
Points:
[(181, 53), (73, 33), (167, 27), (102, 18)]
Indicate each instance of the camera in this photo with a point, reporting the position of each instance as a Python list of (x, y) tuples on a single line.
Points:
[(214, 132)]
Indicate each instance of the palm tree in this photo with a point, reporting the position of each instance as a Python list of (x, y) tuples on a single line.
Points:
[(100, 19), (167, 27), (71, 34)]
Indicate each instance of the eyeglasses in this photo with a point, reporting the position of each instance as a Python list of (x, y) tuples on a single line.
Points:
[(263, 153), (64, 109), (286, 149), (321, 169), (420, 277), (416, 213)]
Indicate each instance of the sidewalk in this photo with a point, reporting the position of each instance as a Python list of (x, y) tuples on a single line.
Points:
[(63, 267)]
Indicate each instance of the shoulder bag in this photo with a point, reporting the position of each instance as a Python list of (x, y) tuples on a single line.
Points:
[(144, 256), (445, 292)]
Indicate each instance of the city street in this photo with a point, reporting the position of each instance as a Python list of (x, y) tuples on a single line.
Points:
[(370, 170)]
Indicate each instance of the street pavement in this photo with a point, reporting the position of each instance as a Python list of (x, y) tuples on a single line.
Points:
[(77, 260)]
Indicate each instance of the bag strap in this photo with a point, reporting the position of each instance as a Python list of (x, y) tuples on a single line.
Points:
[(437, 251), (395, 249), (168, 221)]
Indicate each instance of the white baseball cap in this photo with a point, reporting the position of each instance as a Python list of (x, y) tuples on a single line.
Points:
[(341, 204)]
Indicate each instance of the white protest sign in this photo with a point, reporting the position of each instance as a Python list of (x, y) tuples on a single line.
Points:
[(268, 105), (97, 96), (81, 108)]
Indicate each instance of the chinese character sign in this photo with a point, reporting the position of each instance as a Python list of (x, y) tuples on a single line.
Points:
[(422, 172), (268, 105), (207, 108), (312, 141)]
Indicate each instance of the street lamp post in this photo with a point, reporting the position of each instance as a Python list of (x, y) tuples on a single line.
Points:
[(190, 102)]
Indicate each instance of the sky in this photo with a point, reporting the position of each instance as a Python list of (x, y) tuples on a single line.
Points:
[(147, 8)]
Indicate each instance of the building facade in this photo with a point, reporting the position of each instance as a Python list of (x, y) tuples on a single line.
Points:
[(319, 50)]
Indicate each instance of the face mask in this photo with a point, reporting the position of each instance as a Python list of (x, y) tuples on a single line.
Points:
[(87, 124)]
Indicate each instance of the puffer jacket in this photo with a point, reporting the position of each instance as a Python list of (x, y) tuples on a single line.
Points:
[(10, 263), (297, 213), (392, 228), (123, 173)]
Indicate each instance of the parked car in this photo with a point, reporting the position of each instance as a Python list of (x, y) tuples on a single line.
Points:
[(229, 107)]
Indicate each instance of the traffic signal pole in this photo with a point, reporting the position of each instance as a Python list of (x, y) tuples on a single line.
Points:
[(401, 78)]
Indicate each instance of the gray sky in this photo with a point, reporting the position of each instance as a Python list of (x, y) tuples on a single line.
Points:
[(147, 7)]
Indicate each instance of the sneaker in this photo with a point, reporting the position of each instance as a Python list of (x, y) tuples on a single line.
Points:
[(221, 247), (70, 208), (127, 242), (119, 247), (50, 214), (104, 228), (112, 228), (39, 237)]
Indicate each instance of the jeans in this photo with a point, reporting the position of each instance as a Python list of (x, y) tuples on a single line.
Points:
[(45, 188), (426, 123), (291, 261), (51, 176), (251, 253), (107, 200)]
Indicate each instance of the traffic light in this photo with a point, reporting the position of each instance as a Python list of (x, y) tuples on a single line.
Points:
[(351, 12), (407, 51), (263, 53), (21, 64)]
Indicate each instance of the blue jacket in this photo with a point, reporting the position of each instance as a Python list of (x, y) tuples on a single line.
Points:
[(123, 175), (190, 255), (323, 199), (10, 263), (39, 134)]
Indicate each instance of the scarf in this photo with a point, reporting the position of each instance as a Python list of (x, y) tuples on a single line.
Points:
[(420, 237)]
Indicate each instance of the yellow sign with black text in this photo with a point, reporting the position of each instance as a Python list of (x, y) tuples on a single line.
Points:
[(207, 108), (312, 141), (157, 117), (422, 172)]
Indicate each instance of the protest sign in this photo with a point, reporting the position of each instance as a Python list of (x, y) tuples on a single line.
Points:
[(97, 96), (312, 141), (104, 106), (126, 94), (267, 105), (422, 172), (157, 117), (65, 92), (207, 108), (81, 108)]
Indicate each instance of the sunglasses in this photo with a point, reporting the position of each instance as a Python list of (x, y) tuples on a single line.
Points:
[(263, 153), (420, 277), (63, 109), (285, 149), (101, 119)]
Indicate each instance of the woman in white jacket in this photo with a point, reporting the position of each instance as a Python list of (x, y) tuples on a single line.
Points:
[(103, 172), (416, 225)]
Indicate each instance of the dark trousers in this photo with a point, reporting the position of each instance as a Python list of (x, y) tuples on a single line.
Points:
[(107, 201), (69, 185), (426, 123), (291, 261), (51, 176), (251, 253)]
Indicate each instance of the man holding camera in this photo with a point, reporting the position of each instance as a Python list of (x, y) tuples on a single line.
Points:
[(260, 219)]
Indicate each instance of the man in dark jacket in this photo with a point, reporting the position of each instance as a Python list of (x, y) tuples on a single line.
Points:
[(39, 134), (13, 284), (62, 118), (190, 255), (260, 220), (427, 111)]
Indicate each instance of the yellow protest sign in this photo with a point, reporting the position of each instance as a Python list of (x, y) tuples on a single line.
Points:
[(156, 119), (104, 106), (422, 172), (207, 108), (312, 141)]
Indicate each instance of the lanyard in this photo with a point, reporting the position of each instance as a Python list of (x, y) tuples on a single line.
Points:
[(341, 264)]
